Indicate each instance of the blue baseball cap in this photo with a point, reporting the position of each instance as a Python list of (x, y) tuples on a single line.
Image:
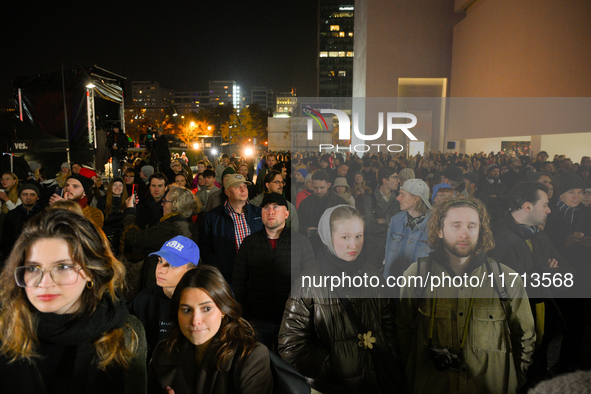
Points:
[(179, 251)]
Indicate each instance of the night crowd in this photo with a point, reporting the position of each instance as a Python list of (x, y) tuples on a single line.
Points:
[(188, 277)]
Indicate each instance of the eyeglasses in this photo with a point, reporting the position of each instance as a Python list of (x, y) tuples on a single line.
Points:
[(165, 201), (278, 182), (61, 274)]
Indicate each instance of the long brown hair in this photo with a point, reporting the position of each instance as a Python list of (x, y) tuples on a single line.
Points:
[(89, 249), (235, 333), (12, 193), (109, 203), (485, 242)]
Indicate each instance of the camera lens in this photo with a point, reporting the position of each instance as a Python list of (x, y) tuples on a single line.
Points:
[(442, 362)]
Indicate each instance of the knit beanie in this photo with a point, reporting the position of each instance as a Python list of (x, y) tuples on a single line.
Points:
[(86, 183), (30, 186), (65, 164), (228, 170), (568, 181), (303, 171)]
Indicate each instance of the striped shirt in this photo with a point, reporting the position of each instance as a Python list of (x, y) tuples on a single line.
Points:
[(241, 229)]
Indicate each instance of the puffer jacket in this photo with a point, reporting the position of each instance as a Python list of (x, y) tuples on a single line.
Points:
[(320, 340), (403, 245)]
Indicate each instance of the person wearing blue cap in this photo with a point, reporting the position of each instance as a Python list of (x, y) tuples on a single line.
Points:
[(151, 306)]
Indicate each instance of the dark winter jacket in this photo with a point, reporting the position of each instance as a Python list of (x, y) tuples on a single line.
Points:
[(511, 249), (263, 276), (179, 370), (122, 142), (148, 212), (13, 225), (218, 242), (152, 307), (320, 340), (311, 209), (497, 206)]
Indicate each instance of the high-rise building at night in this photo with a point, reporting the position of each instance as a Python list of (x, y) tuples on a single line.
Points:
[(150, 94), (335, 48), (262, 96), (224, 93)]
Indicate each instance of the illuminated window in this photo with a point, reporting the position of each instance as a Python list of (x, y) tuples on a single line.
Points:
[(341, 34), (335, 28), (140, 92), (333, 54), (225, 87), (221, 103), (350, 54), (331, 73), (229, 95), (335, 34), (342, 73), (323, 54), (341, 53), (351, 34)]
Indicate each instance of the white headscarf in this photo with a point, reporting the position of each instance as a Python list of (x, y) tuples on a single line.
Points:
[(324, 227)]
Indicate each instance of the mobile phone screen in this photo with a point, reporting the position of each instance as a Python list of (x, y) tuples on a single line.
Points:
[(59, 191), (134, 193)]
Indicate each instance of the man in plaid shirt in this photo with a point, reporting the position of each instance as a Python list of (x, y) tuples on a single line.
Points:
[(226, 226)]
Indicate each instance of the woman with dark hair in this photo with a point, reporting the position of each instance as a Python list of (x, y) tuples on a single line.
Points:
[(319, 335), (113, 204), (63, 326), (181, 180), (210, 348)]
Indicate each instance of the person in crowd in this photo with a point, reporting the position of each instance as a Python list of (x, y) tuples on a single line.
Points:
[(471, 180), (63, 174), (117, 144), (407, 238), (300, 182), (129, 180), (307, 192), (63, 326), (494, 193), (15, 219), (219, 169), (178, 206), (208, 188), (201, 166), (587, 197), (569, 228), (454, 176), (68, 205), (318, 334), (548, 167), (274, 184), (312, 208), (181, 180), (219, 197), (152, 305), (341, 188), (405, 174), (378, 208), (487, 340), (270, 161), (177, 169), (339, 172), (360, 188), (46, 186), (112, 205), (244, 170), (514, 175), (442, 191), (267, 263), (149, 209), (77, 188), (226, 226), (145, 174), (9, 194), (521, 246), (210, 349), (161, 151), (541, 158)]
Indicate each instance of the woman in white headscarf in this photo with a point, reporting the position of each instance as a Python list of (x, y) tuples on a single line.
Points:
[(319, 335)]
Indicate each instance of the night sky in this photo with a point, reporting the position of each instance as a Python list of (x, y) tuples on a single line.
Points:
[(181, 44)]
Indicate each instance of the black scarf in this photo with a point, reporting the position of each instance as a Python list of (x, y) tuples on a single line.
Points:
[(67, 342), (332, 265), (414, 222)]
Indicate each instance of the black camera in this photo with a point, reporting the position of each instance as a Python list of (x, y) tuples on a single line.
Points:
[(443, 359)]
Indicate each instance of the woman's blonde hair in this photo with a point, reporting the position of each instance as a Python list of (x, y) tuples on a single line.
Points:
[(12, 193), (68, 205), (90, 250), (184, 202)]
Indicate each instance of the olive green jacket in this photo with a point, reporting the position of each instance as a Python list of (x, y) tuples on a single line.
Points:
[(495, 359)]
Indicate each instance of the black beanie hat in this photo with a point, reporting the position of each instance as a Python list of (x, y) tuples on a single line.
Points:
[(86, 183), (568, 181)]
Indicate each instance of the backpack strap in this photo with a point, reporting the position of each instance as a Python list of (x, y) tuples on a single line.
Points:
[(495, 268)]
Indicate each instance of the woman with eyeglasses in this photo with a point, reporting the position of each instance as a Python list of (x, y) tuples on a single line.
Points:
[(63, 326), (211, 349)]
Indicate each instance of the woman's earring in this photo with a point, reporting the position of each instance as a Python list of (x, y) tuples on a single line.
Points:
[(90, 284)]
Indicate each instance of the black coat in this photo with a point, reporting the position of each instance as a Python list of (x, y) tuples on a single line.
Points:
[(13, 225), (497, 206), (122, 143), (511, 249), (311, 209), (148, 212), (262, 276)]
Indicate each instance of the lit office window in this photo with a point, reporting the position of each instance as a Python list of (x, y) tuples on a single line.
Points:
[(342, 53), (350, 54), (331, 73), (351, 34), (335, 28), (333, 54), (323, 54), (342, 73), (341, 34)]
